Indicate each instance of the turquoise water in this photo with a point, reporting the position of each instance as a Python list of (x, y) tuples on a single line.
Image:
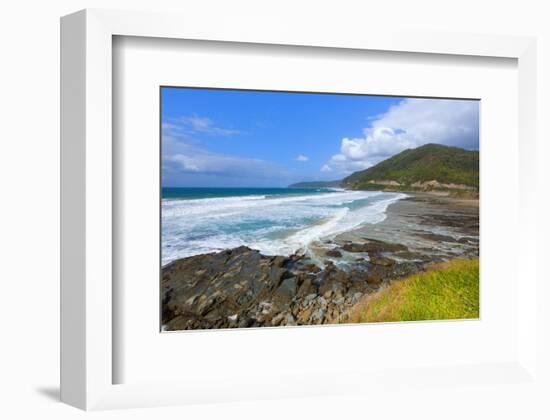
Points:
[(276, 221), (191, 193)]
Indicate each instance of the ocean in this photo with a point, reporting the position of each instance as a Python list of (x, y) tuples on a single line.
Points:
[(275, 221)]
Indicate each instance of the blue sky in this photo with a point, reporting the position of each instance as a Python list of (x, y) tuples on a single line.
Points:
[(232, 138)]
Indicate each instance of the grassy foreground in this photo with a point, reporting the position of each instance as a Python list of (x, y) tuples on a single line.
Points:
[(447, 291)]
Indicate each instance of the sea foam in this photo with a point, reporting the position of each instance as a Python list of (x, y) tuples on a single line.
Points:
[(275, 225)]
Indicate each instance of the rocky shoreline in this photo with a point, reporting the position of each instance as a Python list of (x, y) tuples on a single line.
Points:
[(240, 288)]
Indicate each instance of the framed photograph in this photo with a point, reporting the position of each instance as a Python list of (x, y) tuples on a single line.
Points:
[(262, 230), (257, 216)]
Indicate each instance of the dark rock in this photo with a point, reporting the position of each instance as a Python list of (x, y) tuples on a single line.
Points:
[(333, 286), (378, 273), (373, 246), (287, 290), (278, 261), (357, 276), (468, 240), (353, 247), (245, 322), (311, 268), (212, 287), (409, 255), (382, 261), (437, 238), (333, 253), (307, 287), (374, 279), (407, 269), (277, 319)]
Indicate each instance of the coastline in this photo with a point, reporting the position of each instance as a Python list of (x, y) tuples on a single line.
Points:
[(424, 220), (275, 222), (242, 288)]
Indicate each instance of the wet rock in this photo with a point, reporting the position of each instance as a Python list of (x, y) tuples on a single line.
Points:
[(382, 261), (329, 265), (311, 268), (373, 246), (410, 255), (278, 261), (333, 253), (437, 238), (353, 247)]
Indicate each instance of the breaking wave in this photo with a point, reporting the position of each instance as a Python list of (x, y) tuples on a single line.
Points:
[(273, 224)]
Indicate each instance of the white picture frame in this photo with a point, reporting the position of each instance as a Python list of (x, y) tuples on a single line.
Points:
[(87, 173)]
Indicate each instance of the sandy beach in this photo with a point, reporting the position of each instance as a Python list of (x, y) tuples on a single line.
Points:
[(436, 226)]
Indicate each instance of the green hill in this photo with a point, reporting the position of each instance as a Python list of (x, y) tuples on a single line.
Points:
[(428, 167)]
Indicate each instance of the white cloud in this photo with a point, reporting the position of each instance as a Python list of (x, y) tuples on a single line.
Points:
[(205, 125), (409, 124), (302, 158), (202, 161), (185, 163), (326, 168), (339, 158)]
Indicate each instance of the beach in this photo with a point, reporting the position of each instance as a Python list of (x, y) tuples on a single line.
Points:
[(435, 226), (394, 236)]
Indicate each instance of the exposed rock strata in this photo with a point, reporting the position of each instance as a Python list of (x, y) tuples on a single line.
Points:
[(242, 288)]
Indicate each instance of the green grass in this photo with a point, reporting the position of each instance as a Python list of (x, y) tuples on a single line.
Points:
[(447, 291)]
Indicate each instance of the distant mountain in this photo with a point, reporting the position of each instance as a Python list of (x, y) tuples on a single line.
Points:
[(316, 184), (428, 167)]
